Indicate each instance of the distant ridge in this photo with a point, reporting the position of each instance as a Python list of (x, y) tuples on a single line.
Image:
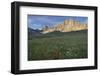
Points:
[(66, 26), (32, 33)]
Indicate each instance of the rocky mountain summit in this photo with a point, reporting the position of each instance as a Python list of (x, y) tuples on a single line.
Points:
[(66, 26)]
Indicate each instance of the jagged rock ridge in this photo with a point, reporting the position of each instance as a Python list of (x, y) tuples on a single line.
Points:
[(66, 26)]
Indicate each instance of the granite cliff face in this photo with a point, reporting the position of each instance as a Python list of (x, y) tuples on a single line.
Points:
[(66, 26)]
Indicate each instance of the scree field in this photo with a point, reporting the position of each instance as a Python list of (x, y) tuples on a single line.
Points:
[(57, 45)]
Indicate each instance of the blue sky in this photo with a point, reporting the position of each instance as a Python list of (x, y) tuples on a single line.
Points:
[(39, 21)]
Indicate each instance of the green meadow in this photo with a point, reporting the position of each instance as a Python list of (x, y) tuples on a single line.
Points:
[(57, 45)]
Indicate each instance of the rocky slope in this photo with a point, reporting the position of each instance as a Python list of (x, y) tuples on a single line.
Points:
[(66, 26)]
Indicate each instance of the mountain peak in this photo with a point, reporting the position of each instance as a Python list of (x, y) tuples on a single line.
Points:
[(66, 26)]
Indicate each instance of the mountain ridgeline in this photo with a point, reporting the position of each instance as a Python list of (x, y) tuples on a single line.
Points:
[(62, 28), (33, 33), (66, 26)]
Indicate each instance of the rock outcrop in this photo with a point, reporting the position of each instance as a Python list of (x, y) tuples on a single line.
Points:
[(66, 26)]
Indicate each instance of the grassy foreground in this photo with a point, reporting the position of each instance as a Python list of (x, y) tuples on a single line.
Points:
[(57, 45)]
